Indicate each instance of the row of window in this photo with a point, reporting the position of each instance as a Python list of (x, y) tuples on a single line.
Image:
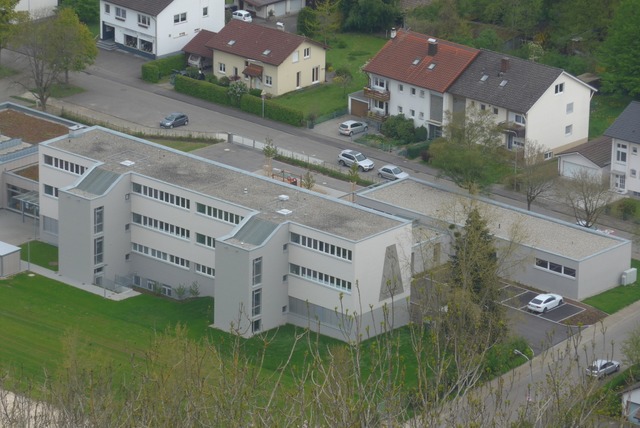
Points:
[(555, 267), (160, 195), (145, 20), (323, 247), (319, 277), (205, 270), (50, 190), (161, 226), (219, 214), (205, 240), (64, 165), (160, 255)]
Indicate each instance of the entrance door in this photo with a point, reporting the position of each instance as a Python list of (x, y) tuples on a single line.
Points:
[(298, 79), (108, 32)]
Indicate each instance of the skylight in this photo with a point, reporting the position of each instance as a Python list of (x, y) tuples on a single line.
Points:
[(231, 42), (503, 83), (484, 77), (416, 61), (266, 52), (432, 66)]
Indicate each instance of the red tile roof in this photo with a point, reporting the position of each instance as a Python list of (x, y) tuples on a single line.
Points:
[(256, 42), (197, 44), (406, 58)]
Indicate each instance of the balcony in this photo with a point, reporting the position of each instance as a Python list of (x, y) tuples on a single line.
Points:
[(378, 95), (377, 116), (514, 128)]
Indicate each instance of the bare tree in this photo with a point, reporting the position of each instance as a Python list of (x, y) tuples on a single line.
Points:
[(536, 176), (587, 194)]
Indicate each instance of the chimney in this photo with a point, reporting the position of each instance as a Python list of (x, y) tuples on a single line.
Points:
[(393, 33), (504, 65), (433, 47)]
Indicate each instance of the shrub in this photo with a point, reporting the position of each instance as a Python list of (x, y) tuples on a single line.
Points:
[(202, 89), (150, 72), (306, 22), (255, 92), (224, 81), (421, 134), (163, 67), (211, 78), (415, 150), (236, 90), (627, 208), (400, 128)]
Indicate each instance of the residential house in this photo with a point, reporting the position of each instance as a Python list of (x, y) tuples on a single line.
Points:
[(631, 404), (531, 101), (157, 28), (267, 9), (266, 58), (625, 162), (593, 156), (411, 75)]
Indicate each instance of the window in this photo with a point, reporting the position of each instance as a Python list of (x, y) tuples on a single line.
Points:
[(400, 110), (107, 9), (634, 150), (519, 119), (257, 271), (151, 285), (315, 74), (180, 17), (50, 225), (421, 93), (568, 130), (206, 240), (421, 115), (50, 190), (412, 113), (634, 173), (98, 250), (495, 110), (98, 220), (307, 52), (379, 83), (559, 88), (121, 13), (205, 270), (256, 302), (548, 155), (413, 91), (222, 68), (256, 326), (621, 152), (167, 290), (483, 106), (296, 56), (400, 87), (555, 267), (205, 11), (380, 105), (569, 108), (268, 80), (144, 20)]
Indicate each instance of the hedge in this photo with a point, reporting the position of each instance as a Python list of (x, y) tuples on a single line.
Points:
[(153, 71), (248, 103)]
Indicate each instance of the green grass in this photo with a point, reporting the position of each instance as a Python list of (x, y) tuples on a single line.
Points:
[(614, 209), (605, 108), (326, 98), (62, 90), (6, 72), (613, 300), (183, 146), (42, 254)]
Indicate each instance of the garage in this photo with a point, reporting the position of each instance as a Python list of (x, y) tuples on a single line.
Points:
[(359, 108), (571, 169), (593, 156)]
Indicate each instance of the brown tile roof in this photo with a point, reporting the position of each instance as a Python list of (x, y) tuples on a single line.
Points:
[(405, 58), (597, 151), (252, 41), (151, 7), (197, 44)]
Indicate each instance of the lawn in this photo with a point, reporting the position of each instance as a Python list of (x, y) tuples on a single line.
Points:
[(613, 300), (41, 254), (348, 50), (605, 108)]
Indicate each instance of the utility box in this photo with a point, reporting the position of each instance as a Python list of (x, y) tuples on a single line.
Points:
[(629, 276)]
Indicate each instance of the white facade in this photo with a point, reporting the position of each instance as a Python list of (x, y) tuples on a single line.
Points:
[(163, 34), (126, 212), (625, 166), (37, 8), (571, 164)]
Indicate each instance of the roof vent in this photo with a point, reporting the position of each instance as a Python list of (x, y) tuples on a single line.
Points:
[(393, 33), (127, 163), (284, 211), (433, 47), (283, 198)]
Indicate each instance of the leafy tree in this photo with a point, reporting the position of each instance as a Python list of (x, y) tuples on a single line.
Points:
[(618, 52), (343, 78), (8, 17), (88, 11), (370, 15), (581, 21), (74, 43), (400, 128), (327, 18), (587, 194), (307, 22), (470, 153)]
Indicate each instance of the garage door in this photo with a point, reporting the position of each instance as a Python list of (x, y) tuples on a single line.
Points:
[(569, 169), (280, 9), (295, 6), (359, 108)]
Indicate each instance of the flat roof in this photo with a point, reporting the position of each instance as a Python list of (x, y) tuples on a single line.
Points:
[(533, 230), (251, 191)]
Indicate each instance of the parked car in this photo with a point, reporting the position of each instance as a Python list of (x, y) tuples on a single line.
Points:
[(242, 15), (349, 157), (602, 368), (174, 119), (392, 172), (544, 302), (351, 127)]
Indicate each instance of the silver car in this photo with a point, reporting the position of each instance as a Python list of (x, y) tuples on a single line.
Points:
[(351, 127), (349, 157), (175, 119), (602, 368), (392, 172)]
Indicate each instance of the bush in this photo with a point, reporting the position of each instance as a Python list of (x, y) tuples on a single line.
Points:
[(421, 134), (256, 92), (158, 68), (202, 89), (224, 81), (627, 208), (150, 72), (211, 78), (399, 128), (415, 150), (306, 21)]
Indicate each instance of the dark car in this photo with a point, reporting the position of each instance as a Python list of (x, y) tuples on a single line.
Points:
[(174, 119)]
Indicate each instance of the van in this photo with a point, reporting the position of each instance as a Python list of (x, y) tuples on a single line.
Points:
[(242, 15)]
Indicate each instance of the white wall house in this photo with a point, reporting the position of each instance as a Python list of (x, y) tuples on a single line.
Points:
[(410, 75), (159, 28), (127, 212), (625, 144), (532, 101)]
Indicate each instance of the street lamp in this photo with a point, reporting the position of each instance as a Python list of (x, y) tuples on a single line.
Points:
[(517, 352), (263, 94)]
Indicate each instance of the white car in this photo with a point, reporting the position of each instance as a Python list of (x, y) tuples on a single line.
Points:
[(351, 127), (349, 157), (544, 302), (601, 368), (242, 15), (392, 172)]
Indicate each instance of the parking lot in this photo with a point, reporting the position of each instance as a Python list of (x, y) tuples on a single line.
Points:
[(517, 298)]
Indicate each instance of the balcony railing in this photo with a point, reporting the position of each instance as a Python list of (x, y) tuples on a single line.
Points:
[(376, 116), (377, 95)]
